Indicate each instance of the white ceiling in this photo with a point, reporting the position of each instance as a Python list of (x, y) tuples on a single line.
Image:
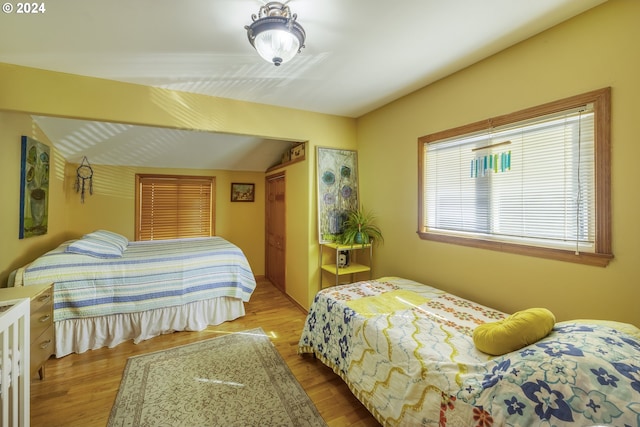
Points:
[(359, 55)]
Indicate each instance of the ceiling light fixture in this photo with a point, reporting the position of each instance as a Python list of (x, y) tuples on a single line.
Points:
[(275, 34)]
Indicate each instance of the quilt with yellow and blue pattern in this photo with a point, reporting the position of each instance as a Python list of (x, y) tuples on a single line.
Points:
[(407, 353)]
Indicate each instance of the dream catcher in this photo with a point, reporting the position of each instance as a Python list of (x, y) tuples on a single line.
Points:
[(83, 173)]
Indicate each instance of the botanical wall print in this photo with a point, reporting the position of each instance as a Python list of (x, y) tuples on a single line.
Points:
[(337, 190), (34, 188)]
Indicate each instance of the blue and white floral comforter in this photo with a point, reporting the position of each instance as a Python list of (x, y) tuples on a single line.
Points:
[(406, 351)]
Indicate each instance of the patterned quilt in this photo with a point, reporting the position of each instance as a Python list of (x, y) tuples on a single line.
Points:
[(406, 351), (149, 275)]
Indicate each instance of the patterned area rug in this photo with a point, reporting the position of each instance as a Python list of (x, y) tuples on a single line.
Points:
[(234, 380)]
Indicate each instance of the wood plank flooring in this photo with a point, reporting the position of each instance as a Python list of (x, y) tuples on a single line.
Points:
[(79, 389)]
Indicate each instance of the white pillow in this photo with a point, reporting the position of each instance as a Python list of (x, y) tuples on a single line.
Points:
[(111, 237), (94, 247)]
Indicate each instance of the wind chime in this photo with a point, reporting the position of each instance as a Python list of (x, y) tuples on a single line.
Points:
[(83, 173)]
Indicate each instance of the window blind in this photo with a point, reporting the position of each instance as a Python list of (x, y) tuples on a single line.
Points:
[(530, 182), (174, 207)]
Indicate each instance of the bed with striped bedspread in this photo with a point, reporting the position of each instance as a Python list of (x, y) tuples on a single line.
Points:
[(149, 275)]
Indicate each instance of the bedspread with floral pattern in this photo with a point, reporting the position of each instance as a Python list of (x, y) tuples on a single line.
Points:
[(406, 351)]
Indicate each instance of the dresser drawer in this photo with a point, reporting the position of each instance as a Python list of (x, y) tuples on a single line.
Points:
[(44, 298), (42, 347), (43, 344), (41, 313), (42, 330)]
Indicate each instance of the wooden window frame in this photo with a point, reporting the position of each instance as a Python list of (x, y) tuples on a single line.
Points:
[(602, 156)]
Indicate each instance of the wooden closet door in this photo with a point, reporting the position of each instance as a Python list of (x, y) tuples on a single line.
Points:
[(275, 230)]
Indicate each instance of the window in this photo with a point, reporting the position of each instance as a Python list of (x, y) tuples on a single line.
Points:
[(535, 182), (172, 207)]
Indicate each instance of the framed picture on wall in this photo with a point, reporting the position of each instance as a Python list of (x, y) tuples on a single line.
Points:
[(34, 188), (337, 177), (243, 192)]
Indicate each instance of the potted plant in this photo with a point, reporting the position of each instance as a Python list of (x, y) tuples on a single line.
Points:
[(359, 228)]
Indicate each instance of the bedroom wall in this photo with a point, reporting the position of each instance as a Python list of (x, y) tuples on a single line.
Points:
[(32, 91), (112, 206), (594, 50), (15, 252)]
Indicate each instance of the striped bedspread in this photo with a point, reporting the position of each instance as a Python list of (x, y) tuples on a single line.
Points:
[(149, 275)]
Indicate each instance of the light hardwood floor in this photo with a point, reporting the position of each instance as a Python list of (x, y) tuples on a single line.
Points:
[(79, 389)]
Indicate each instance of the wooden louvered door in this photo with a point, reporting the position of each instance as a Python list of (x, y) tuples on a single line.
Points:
[(275, 231)]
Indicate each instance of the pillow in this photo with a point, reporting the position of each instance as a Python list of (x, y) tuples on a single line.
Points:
[(111, 237), (516, 331), (94, 247)]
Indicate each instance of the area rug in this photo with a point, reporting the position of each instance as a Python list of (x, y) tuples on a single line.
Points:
[(234, 380)]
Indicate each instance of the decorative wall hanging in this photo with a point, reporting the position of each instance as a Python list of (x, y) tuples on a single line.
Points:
[(84, 173), (34, 188), (337, 178), (490, 163), (243, 192)]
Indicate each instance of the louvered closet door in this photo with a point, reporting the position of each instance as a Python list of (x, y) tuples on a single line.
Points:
[(275, 230)]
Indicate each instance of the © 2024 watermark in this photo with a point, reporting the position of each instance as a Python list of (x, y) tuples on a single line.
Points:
[(24, 8)]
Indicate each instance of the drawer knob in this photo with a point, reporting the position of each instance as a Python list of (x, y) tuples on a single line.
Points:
[(44, 297), (44, 318), (45, 344)]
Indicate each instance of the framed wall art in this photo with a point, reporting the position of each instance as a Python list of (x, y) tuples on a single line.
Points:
[(242, 192), (337, 179), (34, 188)]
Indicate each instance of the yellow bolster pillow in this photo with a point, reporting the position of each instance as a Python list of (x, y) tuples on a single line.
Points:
[(516, 331)]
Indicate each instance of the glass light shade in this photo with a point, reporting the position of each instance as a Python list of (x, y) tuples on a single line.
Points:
[(275, 34), (277, 46)]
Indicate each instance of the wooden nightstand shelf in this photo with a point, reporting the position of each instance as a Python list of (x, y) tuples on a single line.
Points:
[(43, 343), (352, 268)]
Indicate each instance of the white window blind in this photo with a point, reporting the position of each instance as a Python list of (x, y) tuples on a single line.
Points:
[(531, 182), (171, 207)]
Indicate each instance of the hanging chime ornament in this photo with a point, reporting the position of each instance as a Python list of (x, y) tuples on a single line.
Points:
[(83, 173)]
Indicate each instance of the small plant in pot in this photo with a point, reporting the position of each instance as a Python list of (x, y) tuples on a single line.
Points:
[(359, 229)]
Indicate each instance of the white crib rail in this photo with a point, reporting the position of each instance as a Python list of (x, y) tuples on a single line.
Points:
[(15, 378)]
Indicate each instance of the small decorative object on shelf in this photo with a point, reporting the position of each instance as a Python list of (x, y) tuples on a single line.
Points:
[(286, 156), (344, 262), (297, 152), (359, 228), (343, 259), (293, 154)]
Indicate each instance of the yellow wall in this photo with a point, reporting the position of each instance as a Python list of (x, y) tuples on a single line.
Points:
[(594, 50), (15, 252), (27, 90), (112, 206)]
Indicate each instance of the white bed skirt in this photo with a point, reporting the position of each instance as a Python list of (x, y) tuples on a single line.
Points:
[(80, 335)]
